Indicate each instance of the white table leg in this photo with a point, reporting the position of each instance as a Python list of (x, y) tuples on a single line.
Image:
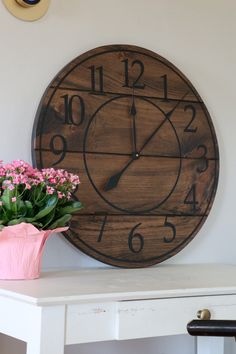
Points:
[(48, 335), (210, 345)]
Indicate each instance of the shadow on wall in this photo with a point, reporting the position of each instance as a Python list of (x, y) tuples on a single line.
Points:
[(9, 345), (161, 345)]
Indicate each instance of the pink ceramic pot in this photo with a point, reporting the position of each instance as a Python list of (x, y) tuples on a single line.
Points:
[(21, 249)]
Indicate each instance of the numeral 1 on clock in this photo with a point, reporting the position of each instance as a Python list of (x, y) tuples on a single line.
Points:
[(96, 78)]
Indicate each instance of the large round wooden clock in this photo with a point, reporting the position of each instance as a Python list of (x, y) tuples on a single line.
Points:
[(142, 141)]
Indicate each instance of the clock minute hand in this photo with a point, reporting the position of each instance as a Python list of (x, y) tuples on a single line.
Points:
[(133, 112), (167, 117), (114, 180)]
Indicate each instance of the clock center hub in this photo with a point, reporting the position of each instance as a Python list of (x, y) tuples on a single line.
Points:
[(135, 156)]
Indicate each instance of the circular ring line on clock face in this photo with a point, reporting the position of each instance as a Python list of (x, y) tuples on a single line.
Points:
[(131, 159)]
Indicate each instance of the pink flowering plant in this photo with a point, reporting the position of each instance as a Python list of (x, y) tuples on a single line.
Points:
[(43, 198)]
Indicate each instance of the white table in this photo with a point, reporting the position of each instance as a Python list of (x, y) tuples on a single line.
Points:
[(93, 305)]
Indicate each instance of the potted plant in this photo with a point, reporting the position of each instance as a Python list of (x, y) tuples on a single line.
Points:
[(33, 204)]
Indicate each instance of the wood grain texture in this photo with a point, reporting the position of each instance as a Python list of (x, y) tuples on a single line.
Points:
[(85, 124)]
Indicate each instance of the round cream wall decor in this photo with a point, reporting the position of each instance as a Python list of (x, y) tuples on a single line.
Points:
[(27, 10)]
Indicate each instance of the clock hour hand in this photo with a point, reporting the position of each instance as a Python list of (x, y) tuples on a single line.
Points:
[(113, 180), (167, 117)]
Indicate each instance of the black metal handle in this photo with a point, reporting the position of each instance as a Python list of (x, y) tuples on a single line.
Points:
[(215, 328)]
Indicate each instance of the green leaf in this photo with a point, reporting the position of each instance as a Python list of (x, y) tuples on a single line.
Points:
[(22, 210), (6, 199), (38, 225), (8, 214), (48, 219), (70, 208), (50, 205), (15, 221), (29, 208), (63, 221)]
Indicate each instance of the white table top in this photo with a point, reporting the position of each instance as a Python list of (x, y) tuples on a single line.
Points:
[(106, 284)]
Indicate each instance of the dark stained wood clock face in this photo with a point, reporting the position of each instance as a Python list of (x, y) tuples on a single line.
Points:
[(142, 141)]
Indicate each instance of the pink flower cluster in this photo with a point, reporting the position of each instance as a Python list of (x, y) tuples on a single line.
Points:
[(22, 177)]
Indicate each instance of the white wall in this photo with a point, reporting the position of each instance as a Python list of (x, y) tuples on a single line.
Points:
[(198, 36)]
